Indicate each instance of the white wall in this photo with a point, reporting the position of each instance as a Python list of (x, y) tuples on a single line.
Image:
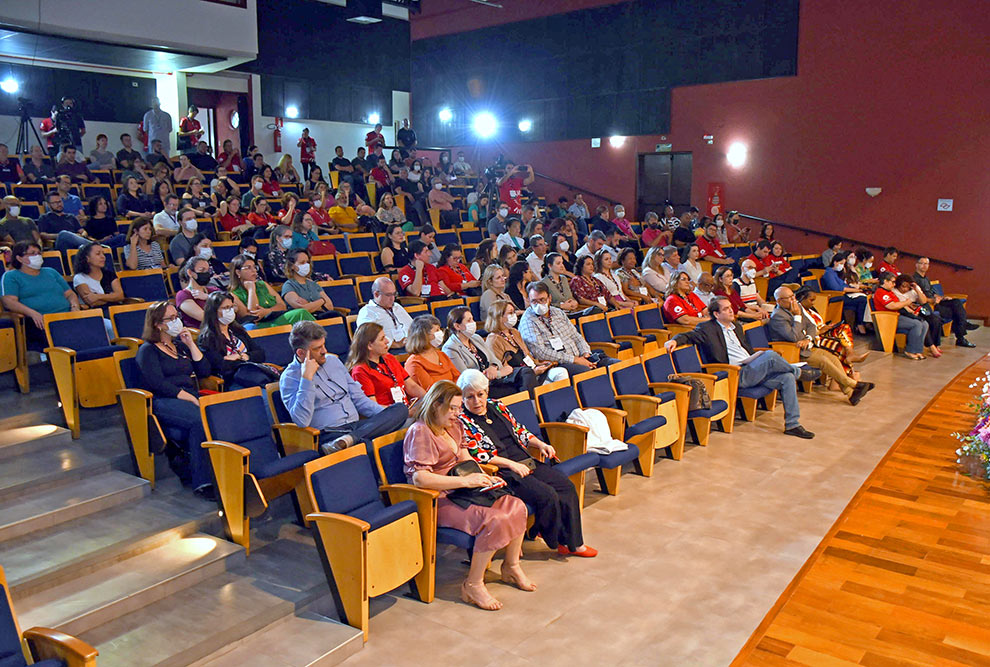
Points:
[(9, 125), (327, 135)]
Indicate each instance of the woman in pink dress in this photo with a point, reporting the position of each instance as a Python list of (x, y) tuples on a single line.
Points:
[(435, 444)]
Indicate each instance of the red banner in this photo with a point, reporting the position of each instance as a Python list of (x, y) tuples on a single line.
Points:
[(716, 199)]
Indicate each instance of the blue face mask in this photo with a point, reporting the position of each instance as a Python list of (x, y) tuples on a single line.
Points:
[(286, 243)]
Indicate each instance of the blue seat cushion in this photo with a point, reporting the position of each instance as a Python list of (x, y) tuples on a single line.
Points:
[(720, 375), (458, 538), (17, 660), (6, 324), (383, 517), (580, 462), (98, 352), (624, 344), (645, 426), (650, 338), (284, 464), (618, 458), (756, 391), (665, 396), (717, 408)]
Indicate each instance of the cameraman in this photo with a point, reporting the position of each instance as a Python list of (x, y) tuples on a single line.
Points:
[(511, 184), (69, 125)]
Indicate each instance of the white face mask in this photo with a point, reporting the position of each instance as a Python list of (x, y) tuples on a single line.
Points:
[(869, 265), (286, 243), (226, 316), (470, 328), (438, 186), (541, 308), (852, 260), (511, 319), (620, 214), (437, 338), (190, 224), (303, 270), (35, 261), (174, 328), (318, 203), (503, 212), (14, 211), (257, 186), (565, 246), (206, 253), (416, 167), (750, 273), (248, 254)]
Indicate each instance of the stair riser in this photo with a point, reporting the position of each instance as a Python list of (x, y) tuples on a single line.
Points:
[(143, 598), (61, 515), (54, 480), (26, 447)]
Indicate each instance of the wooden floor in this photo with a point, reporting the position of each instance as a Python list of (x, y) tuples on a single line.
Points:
[(903, 577)]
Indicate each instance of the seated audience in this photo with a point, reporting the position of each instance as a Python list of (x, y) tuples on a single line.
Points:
[(589, 290), (594, 242), (905, 289), (535, 258), (196, 198), (319, 393), (428, 236), (182, 243), (507, 257), (380, 374), (395, 254), (232, 219), (950, 309), (232, 353), (68, 165), (605, 274), (520, 275), (94, 279), (194, 277), (230, 158), (132, 202), (255, 301), (725, 286), (156, 155), (654, 236), (257, 189), (704, 289), (836, 339), (14, 227), (710, 247), (834, 246), (483, 257), (864, 265), (466, 349), (442, 201), (279, 245), (689, 261), (37, 169), (721, 339), (766, 265), (99, 157), (186, 170), (391, 215), (344, 217), (736, 232), (657, 271), (478, 210), (887, 265), (840, 278), (493, 283), (745, 284), (166, 221), (454, 273), (356, 202), (427, 363), (384, 311), (259, 216), (766, 232), (300, 290), (126, 156), (556, 280), (140, 251), (507, 345), (419, 277), (432, 447), (625, 229), (682, 306), (269, 182), (100, 223), (303, 230), (58, 227), (34, 290), (512, 236), (684, 234), (285, 171), (907, 323)]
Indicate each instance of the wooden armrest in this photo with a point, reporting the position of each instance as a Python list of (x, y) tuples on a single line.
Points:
[(671, 386), (791, 352), (131, 299), (616, 421), (605, 347), (961, 297), (535, 452), (295, 438), (410, 300), (569, 440), (339, 522), (342, 311), (226, 447), (46, 643), (630, 338), (128, 341), (638, 407), (212, 383), (662, 334), (410, 490), (488, 468), (731, 369), (60, 351)]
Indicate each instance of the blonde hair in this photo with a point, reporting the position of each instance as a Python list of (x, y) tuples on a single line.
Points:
[(438, 398), (496, 311), (281, 163), (489, 275)]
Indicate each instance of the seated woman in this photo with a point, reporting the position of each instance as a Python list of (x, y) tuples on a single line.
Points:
[(160, 176), (313, 182), (395, 254), (588, 290), (260, 217), (101, 225), (254, 299), (229, 185), (170, 366), (133, 203), (839, 277), (285, 171), (344, 216), (507, 257), (864, 265), (560, 244), (194, 277), (227, 346), (512, 237), (359, 205), (905, 289), (454, 273), (604, 275), (94, 279), (478, 211), (186, 170), (433, 445), (320, 204), (300, 290), (724, 287), (467, 349), (507, 345), (303, 230), (196, 198), (778, 255), (287, 214), (493, 283), (689, 262), (834, 338), (34, 290), (496, 438), (907, 323), (735, 231), (380, 374), (520, 275), (766, 232), (483, 258), (427, 363), (389, 214), (202, 247), (278, 248), (655, 236), (633, 285), (231, 219), (269, 184), (141, 252), (656, 273), (555, 278), (682, 305)]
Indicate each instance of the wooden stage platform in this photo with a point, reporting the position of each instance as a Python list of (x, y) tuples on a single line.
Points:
[(903, 576)]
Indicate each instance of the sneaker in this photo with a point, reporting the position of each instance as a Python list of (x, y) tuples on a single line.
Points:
[(343, 442)]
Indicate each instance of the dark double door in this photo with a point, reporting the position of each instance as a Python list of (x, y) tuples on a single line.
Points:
[(663, 177)]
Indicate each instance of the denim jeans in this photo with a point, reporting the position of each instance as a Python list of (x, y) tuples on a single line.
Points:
[(857, 305), (770, 370), (387, 421), (68, 240), (915, 331)]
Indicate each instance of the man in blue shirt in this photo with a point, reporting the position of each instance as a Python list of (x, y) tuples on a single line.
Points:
[(319, 392)]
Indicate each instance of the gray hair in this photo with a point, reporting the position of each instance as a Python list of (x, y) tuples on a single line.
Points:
[(473, 380), (598, 235), (305, 332), (669, 250), (651, 215), (534, 239), (376, 287)]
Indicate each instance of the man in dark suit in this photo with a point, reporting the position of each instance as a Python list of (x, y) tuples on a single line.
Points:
[(722, 341)]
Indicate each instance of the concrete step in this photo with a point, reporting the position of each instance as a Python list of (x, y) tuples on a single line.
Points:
[(128, 585), (306, 639), (38, 511), (48, 558), (276, 582), (28, 439), (48, 468)]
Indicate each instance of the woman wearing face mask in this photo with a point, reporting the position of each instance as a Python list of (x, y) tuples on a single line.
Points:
[(227, 345), (194, 277), (736, 232), (320, 203), (427, 363), (171, 365), (467, 349), (864, 265), (202, 247), (653, 234), (299, 289), (507, 345), (380, 374), (624, 227), (724, 287), (255, 299), (416, 173), (278, 248), (560, 244), (720, 230), (841, 277), (442, 201), (35, 290), (179, 246)]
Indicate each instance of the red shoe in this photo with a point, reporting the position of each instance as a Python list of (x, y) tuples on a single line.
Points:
[(585, 552)]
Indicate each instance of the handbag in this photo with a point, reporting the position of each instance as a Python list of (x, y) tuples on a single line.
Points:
[(253, 374), (475, 496), (699, 399), (321, 248)]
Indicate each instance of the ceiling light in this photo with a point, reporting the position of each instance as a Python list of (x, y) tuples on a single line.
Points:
[(374, 119), (484, 125), (736, 155), (446, 115), (9, 85), (525, 125), (292, 111)]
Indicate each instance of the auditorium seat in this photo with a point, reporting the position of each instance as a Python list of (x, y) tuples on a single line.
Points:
[(145, 433), (441, 309), (13, 348), (666, 399), (147, 284), (595, 330), (252, 464), (659, 366), (338, 342), (128, 319), (275, 343), (724, 378), (622, 324), (365, 288), (325, 264), (354, 264), (649, 321), (343, 294), (367, 243), (757, 335)]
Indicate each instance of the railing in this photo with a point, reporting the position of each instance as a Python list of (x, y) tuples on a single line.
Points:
[(858, 242), (576, 188)]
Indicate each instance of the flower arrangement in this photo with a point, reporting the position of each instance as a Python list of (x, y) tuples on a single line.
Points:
[(975, 450)]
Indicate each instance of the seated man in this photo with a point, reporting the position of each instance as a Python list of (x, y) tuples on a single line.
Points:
[(59, 227), (722, 341), (166, 221), (71, 203), (419, 277), (126, 155), (550, 335), (710, 248), (202, 159), (68, 166), (10, 167), (949, 309), (787, 323), (383, 310), (704, 290), (767, 266), (887, 265), (834, 246), (156, 155), (14, 227), (683, 234), (318, 392), (535, 258), (594, 242)]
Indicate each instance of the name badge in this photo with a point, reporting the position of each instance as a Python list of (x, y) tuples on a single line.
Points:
[(425, 290), (398, 395), (602, 301), (556, 343), (529, 362), (642, 290)]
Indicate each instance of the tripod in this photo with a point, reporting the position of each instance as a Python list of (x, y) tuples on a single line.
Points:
[(23, 138)]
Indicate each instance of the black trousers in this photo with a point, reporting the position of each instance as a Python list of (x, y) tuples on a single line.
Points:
[(522, 379), (556, 510), (934, 335), (954, 310)]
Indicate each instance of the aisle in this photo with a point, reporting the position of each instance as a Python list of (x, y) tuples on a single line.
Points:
[(691, 559)]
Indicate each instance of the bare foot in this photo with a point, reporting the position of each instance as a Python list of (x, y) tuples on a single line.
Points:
[(479, 596), (513, 574)]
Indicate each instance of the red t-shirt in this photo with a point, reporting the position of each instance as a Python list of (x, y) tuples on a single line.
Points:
[(234, 162), (228, 221), (784, 265), (882, 298), (381, 176), (373, 139), (187, 124), (453, 278), (764, 263), (510, 193), (319, 215), (262, 220), (709, 248), (378, 382), (271, 188), (47, 125), (677, 306), (887, 268), (431, 278), (307, 149)]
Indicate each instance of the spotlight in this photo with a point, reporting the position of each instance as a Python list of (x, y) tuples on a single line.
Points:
[(616, 141), (446, 115), (292, 112), (9, 85), (736, 155), (484, 125), (374, 119), (525, 125)]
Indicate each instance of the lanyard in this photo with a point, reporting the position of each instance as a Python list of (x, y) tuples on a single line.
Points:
[(384, 370)]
